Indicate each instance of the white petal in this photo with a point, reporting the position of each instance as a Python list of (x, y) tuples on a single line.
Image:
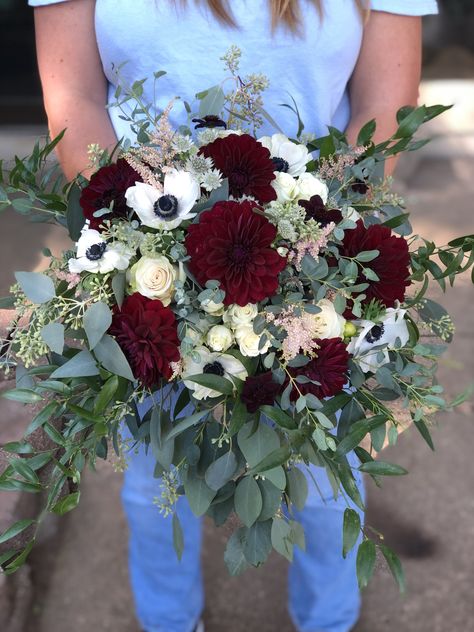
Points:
[(141, 198)]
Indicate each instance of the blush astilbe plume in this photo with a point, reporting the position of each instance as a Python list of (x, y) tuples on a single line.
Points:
[(233, 244)]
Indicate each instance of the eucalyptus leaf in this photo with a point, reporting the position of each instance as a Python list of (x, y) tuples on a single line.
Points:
[(112, 358), (38, 287), (96, 322), (53, 335)]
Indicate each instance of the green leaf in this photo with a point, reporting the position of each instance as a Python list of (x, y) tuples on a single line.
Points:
[(395, 566), (198, 493), (248, 500), (178, 537), (212, 102), (184, 424), (15, 529), (221, 471), (214, 382), (74, 214), (297, 487), (53, 335), (257, 445), (366, 133), (367, 255), (279, 417), (275, 458), (85, 413), (67, 503), (365, 563), (239, 416), (97, 320), (80, 365), (271, 499), (258, 542), (119, 282), (380, 468), (358, 431), (20, 559), (22, 395), (37, 287), (112, 358), (234, 555), (351, 530), (281, 538), (410, 123), (106, 394), (7, 302), (276, 476)]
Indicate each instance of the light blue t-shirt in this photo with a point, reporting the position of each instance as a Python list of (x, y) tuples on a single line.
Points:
[(187, 43)]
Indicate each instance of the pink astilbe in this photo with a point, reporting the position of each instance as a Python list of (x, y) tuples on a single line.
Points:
[(299, 333), (310, 246), (71, 278), (333, 167)]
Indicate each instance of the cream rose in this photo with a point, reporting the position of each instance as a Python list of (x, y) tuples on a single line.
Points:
[(237, 315), (219, 338), (286, 187), (249, 341), (214, 309), (154, 277), (309, 185), (327, 323)]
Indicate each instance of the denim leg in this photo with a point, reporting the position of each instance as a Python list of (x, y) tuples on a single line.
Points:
[(168, 593), (323, 591)]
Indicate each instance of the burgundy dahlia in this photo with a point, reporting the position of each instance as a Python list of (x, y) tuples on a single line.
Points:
[(233, 244), (107, 186), (328, 368), (317, 210), (146, 331), (259, 390), (247, 165), (391, 265)]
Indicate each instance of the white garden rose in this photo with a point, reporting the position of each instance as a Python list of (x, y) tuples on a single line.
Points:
[(237, 315), (285, 186), (214, 309), (249, 341), (327, 323), (309, 185), (219, 338), (154, 277)]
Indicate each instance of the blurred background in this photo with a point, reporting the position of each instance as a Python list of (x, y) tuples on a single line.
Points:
[(77, 577)]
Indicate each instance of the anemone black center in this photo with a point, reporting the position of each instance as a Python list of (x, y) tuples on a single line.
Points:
[(215, 368), (280, 164), (95, 252), (375, 333), (166, 207)]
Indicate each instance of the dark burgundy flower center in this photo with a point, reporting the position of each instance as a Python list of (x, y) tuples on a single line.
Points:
[(375, 333), (280, 164), (239, 179), (95, 252), (166, 207), (240, 254), (214, 368)]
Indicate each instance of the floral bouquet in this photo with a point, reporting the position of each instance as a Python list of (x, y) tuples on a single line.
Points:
[(245, 305)]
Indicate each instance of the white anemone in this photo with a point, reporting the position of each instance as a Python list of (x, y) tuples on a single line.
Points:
[(168, 208), (294, 157), (94, 254), (370, 347), (213, 363)]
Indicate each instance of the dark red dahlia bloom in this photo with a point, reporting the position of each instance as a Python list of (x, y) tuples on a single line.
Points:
[(146, 331), (108, 185), (328, 368), (246, 163), (232, 244), (391, 266), (317, 210), (259, 390)]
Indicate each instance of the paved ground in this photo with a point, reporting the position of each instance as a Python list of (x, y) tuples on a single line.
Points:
[(428, 517)]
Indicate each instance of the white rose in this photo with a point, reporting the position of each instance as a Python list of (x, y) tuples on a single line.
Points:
[(249, 341), (219, 338), (309, 185), (237, 315), (327, 323), (352, 214), (215, 309), (154, 277), (286, 186)]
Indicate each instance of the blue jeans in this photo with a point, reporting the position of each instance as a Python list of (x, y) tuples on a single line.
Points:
[(323, 591)]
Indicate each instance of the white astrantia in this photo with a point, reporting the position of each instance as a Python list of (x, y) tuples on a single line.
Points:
[(202, 362), (327, 323), (94, 254), (288, 157), (370, 347), (168, 208), (289, 189), (236, 315), (219, 338), (249, 341)]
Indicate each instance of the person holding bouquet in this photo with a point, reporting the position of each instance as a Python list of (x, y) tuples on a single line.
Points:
[(344, 62)]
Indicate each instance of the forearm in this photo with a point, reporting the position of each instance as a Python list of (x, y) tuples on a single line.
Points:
[(86, 122)]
